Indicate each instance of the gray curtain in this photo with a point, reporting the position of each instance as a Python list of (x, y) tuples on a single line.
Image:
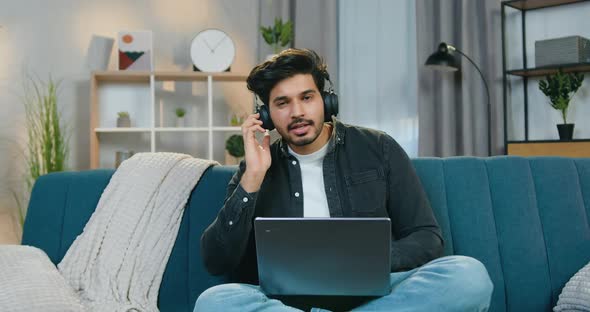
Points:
[(315, 27), (452, 107)]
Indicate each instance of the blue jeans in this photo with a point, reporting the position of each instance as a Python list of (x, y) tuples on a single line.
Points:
[(453, 283)]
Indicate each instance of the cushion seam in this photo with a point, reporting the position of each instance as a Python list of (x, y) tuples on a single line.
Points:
[(63, 217), (581, 192), (543, 230), (447, 204), (485, 163)]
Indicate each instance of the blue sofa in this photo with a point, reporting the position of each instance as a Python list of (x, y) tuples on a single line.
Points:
[(526, 219)]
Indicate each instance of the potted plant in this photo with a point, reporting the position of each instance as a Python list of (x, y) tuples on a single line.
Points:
[(123, 120), (234, 146), (560, 88), (180, 112), (277, 36), (236, 120), (48, 139)]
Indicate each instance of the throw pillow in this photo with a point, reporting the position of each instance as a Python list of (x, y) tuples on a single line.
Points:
[(30, 282), (575, 296)]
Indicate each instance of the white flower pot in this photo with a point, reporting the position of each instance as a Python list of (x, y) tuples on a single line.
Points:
[(180, 122)]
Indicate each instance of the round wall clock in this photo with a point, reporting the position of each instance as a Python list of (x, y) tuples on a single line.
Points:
[(212, 50)]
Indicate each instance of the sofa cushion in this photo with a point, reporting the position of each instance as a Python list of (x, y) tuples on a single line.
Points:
[(576, 293), (30, 282)]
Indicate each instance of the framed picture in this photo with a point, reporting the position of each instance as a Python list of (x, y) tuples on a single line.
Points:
[(135, 50)]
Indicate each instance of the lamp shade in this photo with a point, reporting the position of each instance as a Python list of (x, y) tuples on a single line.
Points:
[(442, 59)]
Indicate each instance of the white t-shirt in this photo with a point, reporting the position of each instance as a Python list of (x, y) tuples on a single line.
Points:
[(315, 203)]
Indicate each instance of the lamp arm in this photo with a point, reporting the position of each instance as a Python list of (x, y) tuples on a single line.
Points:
[(487, 93)]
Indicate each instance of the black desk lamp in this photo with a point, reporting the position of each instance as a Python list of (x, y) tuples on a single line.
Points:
[(444, 60)]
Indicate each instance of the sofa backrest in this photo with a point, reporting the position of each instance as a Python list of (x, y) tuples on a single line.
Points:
[(526, 219), (62, 203)]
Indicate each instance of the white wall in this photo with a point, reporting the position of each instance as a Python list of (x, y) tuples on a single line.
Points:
[(567, 20), (377, 63), (52, 38)]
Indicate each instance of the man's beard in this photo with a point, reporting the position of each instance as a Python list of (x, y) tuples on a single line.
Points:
[(303, 141)]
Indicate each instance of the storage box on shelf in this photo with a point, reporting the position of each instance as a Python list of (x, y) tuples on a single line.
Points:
[(153, 121)]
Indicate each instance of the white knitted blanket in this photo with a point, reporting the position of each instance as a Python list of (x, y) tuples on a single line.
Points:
[(575, 296), (117, 263)]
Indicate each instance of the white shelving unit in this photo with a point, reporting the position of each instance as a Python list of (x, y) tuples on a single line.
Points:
[(151, 124)]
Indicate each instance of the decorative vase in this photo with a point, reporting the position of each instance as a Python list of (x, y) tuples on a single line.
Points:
[(121, 156), (179, 122), (566, 131), (124, 122)]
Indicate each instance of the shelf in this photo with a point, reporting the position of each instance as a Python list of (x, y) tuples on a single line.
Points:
[(573, 148), (525, 5), (119, 130), (181, 129), (165, 129), (122, 76), (548, 141), (144, 76), (199, 138), (227, 129), (551, 69), (198, 76)]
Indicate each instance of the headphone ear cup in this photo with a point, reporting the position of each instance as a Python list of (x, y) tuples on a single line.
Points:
[(265, 117), (330, 105)]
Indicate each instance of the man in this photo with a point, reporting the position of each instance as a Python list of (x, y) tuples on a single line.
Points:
[(329, 169)]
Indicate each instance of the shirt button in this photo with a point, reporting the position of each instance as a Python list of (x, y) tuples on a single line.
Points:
[(296, 194), (294, 162), (230, 223), (245, 199)]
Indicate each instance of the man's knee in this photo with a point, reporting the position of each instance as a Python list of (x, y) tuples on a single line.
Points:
[(222, 297), (472, 277)]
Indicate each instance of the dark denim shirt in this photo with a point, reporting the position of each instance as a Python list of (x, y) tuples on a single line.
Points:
[(366, 174)]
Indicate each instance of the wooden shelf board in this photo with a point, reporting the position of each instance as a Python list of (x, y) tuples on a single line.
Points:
[(198, 76), (538, 4), (580, 148), (180, 129), (121, 130), (227, 129), (552, 69), (122, 76), (144, 76), (547, 141)]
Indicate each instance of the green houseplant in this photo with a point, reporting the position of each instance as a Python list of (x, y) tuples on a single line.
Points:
[(560, 88), (180, 113), (47, 146), (235, 147), (279, 35), (123, 119)]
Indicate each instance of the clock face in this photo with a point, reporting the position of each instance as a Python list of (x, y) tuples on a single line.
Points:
[(212, 50)]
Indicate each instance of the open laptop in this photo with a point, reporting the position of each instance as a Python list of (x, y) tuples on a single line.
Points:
[(324, 256)]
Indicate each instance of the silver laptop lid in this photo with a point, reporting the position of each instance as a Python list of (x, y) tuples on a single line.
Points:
[(324, 256)]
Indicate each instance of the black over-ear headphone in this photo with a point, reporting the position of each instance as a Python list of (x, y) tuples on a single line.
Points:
[(330, 106)]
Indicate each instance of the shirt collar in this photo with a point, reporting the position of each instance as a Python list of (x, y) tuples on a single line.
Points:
[(337, 137)]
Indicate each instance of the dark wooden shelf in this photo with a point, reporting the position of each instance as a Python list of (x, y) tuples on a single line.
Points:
[(548, 141), (551, 69), (537, 4), (573, 148)]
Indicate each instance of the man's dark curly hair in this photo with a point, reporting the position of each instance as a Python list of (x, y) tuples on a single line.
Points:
[(286, 64)]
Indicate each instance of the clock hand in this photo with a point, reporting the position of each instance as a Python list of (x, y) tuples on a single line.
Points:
[(217, 45), (207, 44)]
